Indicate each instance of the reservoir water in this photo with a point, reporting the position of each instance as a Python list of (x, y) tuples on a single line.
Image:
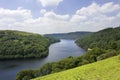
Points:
[(57, 51)]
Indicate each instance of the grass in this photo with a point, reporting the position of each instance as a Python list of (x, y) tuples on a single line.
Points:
[(108, 69)]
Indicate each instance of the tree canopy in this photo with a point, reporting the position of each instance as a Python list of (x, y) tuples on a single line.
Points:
[(17, 44)]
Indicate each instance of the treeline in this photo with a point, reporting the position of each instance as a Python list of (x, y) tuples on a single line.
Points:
[(106, 39), (16, 44), (71, 35), (71, 62), (106, 44)]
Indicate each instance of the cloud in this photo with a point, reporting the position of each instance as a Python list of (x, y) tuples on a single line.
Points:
[(55, 16), (15, 15), (91, 18), (9, 17), (95, 8), (22, 19), (78, 18), (109, 7), (95, 17), (46, 3), (42, 11)]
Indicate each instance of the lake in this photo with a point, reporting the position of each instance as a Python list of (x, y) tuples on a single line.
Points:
[(57, 51)]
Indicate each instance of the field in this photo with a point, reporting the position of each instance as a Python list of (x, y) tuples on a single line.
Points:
[(108, 69)]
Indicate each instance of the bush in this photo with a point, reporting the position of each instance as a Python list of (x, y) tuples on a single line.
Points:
[(25, 75), (107, 55)]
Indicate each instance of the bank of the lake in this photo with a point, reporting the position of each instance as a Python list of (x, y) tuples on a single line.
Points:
[(23, 45), (57, 51), (100, 70)]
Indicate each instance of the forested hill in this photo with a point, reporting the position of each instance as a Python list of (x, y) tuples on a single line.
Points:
[(71, 35), (17, 44), (106, 39)]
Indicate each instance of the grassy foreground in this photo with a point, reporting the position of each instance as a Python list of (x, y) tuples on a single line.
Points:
[(108, 69)]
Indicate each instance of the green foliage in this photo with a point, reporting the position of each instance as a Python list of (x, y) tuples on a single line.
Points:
[(16, 44), (105, 39), (108, 54), (71, 35), (91, 56), (46, 69), (102, 44), (69, 62), (25, 75), (108, 69)]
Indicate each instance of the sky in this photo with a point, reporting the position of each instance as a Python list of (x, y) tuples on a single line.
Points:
[(59, 16)]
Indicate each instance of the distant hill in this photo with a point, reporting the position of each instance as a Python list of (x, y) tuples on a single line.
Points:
[(17, 44), (71, 35), (108, 69)]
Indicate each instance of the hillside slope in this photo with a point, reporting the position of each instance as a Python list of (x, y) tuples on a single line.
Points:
[(17, 44), (71, 35), (106, 39), (108, 69)]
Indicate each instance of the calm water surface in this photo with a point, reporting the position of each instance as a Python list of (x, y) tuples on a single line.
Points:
[(57, 51)]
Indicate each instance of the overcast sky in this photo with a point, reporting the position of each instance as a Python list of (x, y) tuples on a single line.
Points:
[(58, 16)]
